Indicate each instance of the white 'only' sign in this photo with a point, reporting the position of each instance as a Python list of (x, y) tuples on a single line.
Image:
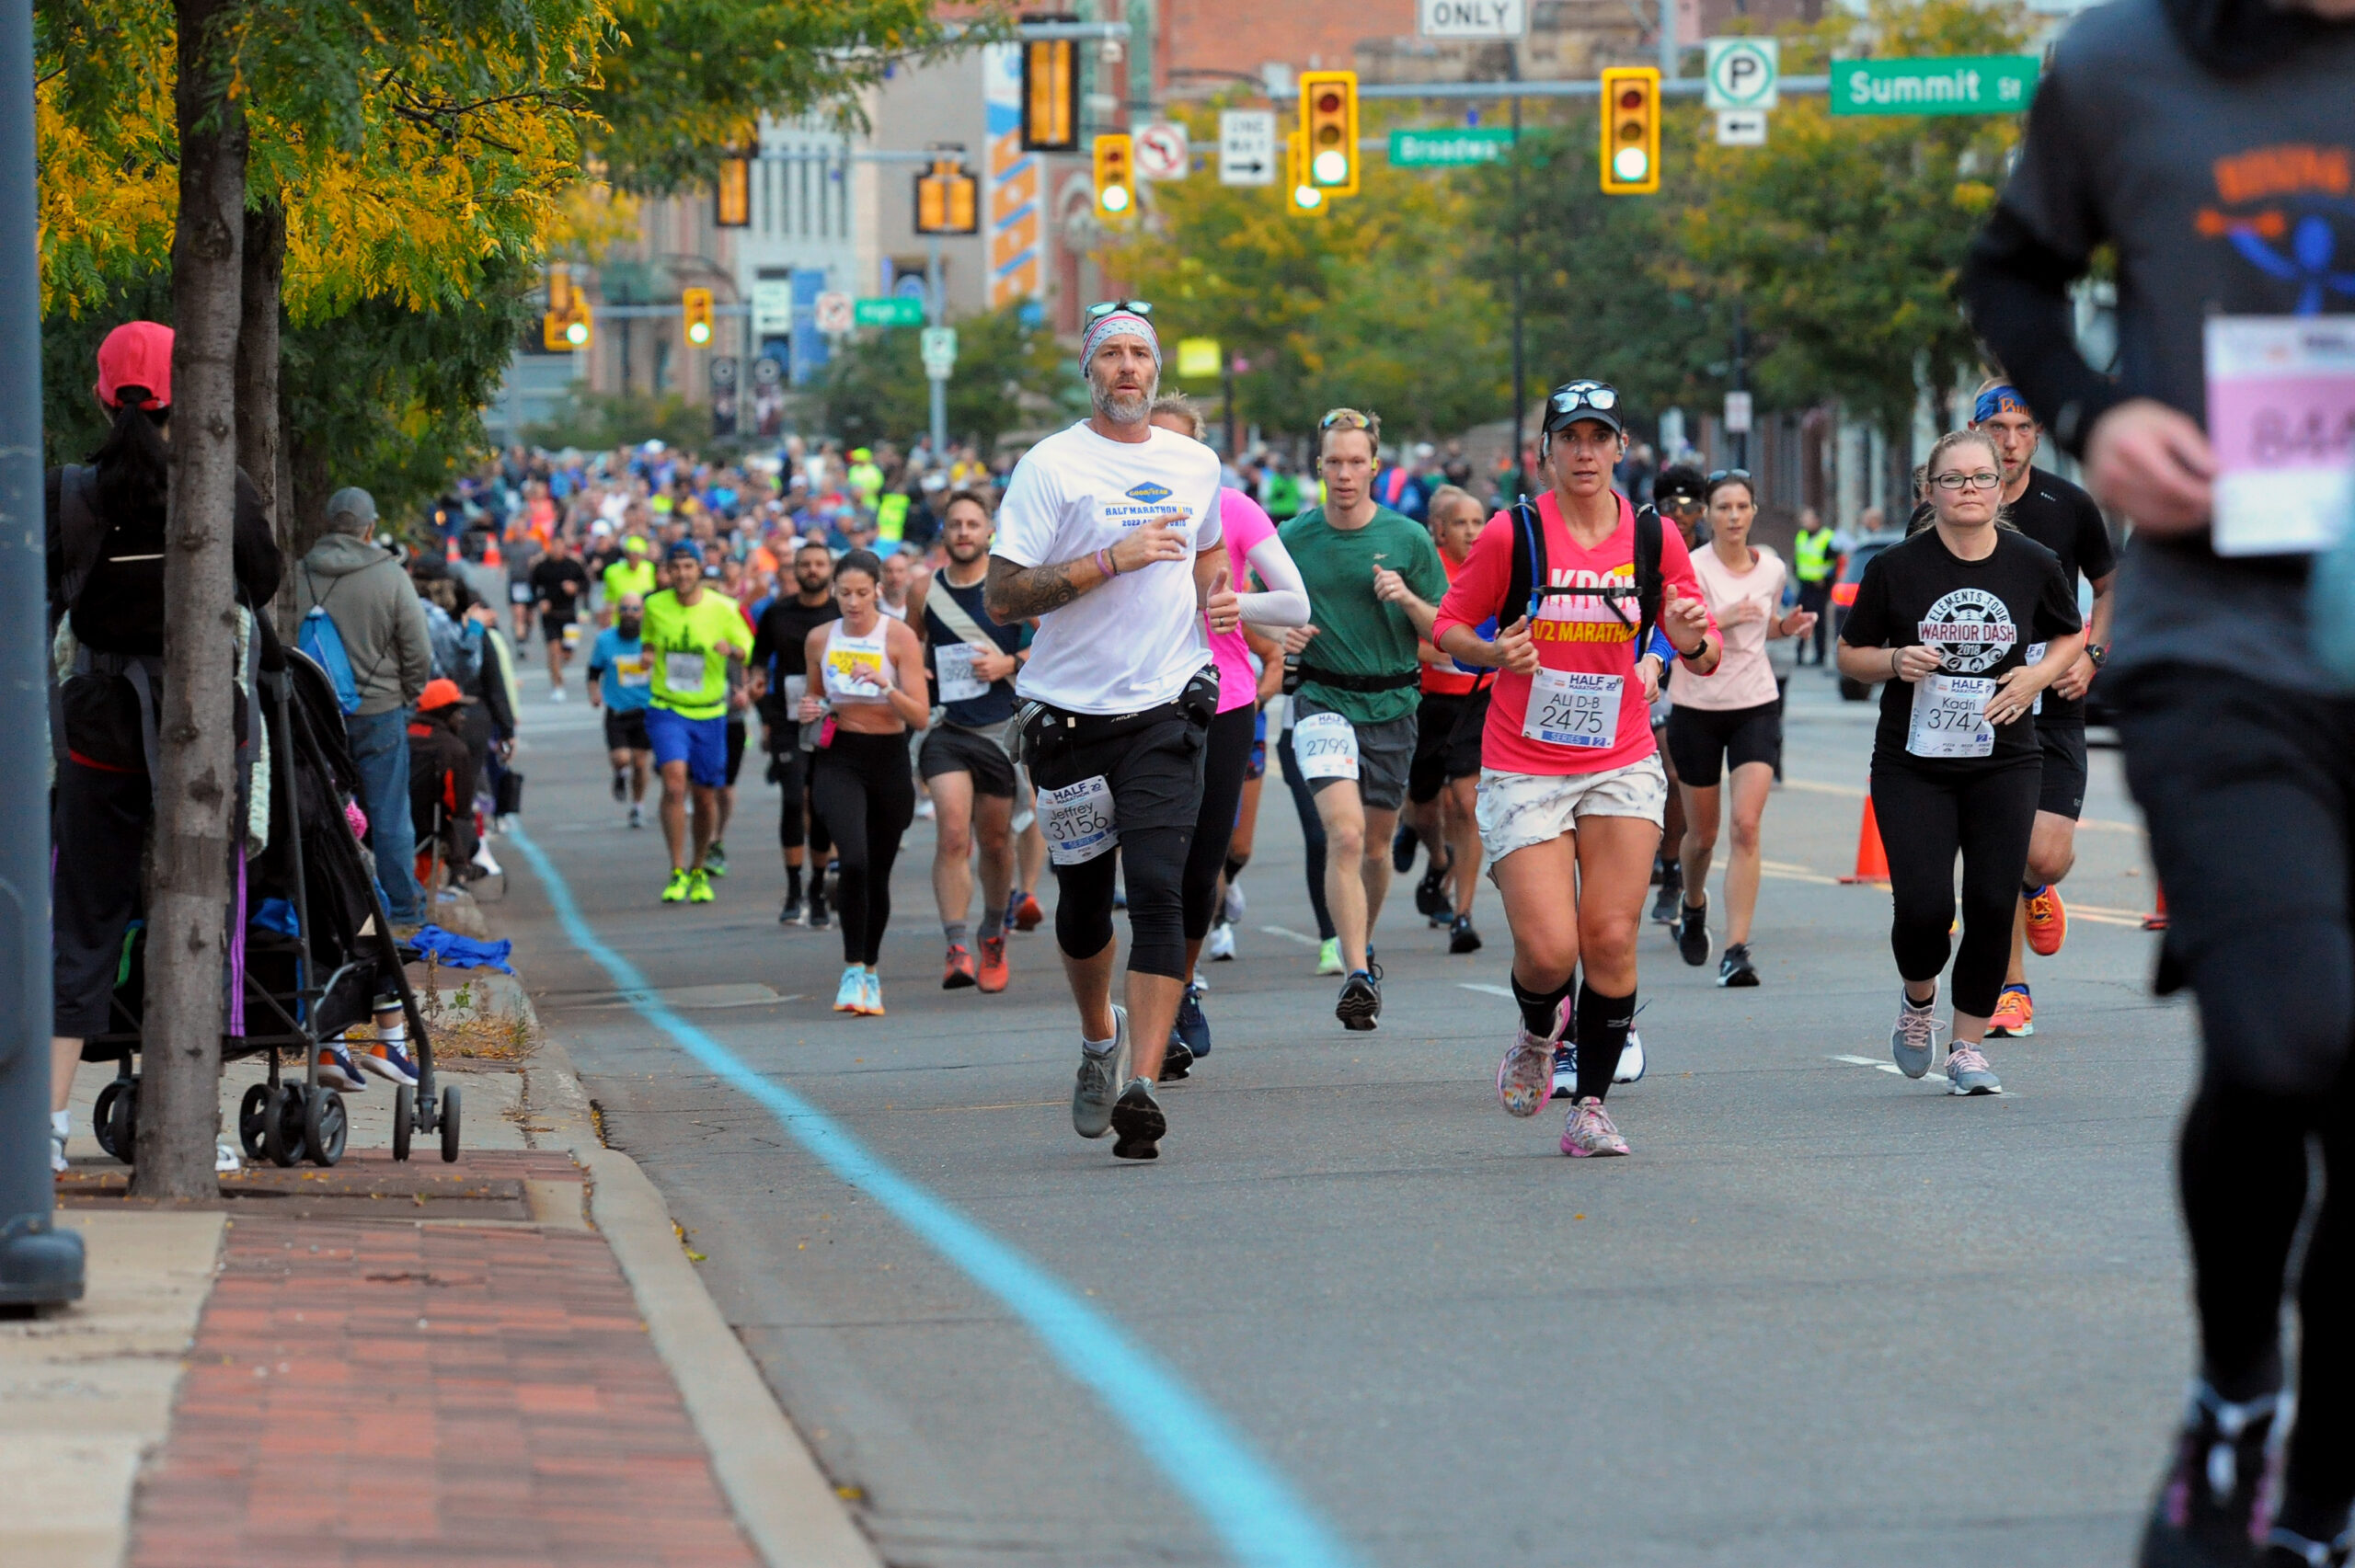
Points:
[(1472, 18)]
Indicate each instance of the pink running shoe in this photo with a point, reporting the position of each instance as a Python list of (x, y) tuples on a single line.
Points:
[(1589, 1131), (1525, 1078)]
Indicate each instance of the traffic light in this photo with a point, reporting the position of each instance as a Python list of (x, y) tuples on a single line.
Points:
[(561, 332), (732, 206), (947, 199), (1329, 120), (1301, 197), (1049, 96), (1116, 179), (1630, 131), (694, 306)]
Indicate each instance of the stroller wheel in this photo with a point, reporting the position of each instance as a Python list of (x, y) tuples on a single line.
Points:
[(252, 1112), (122, 1120), (404, 1119), (281, 1130), (450, 1126), (325, 1126), (102, 1117)]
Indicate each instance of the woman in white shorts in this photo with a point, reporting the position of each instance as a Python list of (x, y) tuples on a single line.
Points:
[(1571, 789)]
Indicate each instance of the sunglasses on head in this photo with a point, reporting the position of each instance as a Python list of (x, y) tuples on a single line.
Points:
[(1730, 474), (1134, 307), (1584, 394), (1345, 419)]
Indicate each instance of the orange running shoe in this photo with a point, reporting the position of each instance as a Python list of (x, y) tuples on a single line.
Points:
[(2015, 1012), (1027, 915), (2047, 922), (959, 972), (994, 972)]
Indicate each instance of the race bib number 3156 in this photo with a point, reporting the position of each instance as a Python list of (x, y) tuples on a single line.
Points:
[(1570, 709), (1077, 820)]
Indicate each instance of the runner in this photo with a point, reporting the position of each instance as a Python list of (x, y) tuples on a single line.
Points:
[(973, 661), (632, 574), (560, 588), (621, 681), (1374, 582), (1110, 534), (779, 677), (1251, 546), (2065, 519), (1442, 781), (1571, 789), (1267, 664), (689, 632), (1945, 621), (1684, 500), (872, 669), (2150, 124), (1312, 831), (1728, 725), (1813, 562)]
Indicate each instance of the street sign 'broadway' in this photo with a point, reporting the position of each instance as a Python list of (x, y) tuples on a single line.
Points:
[(1450, 148), (1962, 83)]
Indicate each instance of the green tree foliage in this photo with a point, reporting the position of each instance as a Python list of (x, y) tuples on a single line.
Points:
[(1008, 376)]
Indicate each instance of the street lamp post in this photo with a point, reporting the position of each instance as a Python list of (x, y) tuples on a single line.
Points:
[(936, 308)]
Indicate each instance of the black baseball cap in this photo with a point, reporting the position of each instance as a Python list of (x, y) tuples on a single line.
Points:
[(1576, 400), (1679, 481)]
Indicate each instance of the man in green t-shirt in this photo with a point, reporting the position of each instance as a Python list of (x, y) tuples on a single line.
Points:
[(689, 634), (632, 574), (1374, 582)]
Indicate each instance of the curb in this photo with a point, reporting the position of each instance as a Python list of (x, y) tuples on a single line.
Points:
[(781, 1498)]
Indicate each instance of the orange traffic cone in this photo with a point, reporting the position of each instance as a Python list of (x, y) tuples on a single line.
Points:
[(490, 555), (1872, 861), (2157, 918), (450, 552)]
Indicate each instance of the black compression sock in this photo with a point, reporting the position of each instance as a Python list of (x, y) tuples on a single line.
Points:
[(1538, 1009), (793, 883), (1603, 1026)]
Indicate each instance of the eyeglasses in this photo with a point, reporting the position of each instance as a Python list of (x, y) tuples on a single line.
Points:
[(1584, 394), (1728, 474), (1134, 307), (1983, 480)]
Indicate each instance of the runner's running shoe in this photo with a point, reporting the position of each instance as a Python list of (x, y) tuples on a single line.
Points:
[(1631, 1061), (2287, 1549), (1589, 1131), (871, 1000), (851, 995), (1430, 894), (1328, 957), (1968, 1072), (1027, 915), (2213, 1502), (676, 890), (387, 1061), (1230, 907), (699, 886), (993, 974), (959, 972), (2014, 1013), (1100, 1077), (817, 905), (1360, 1007), (1219, 948), (1191, 1026), (2047, 920), (621, 786), (1177, 1061), (1461, 937), (1735, 968), (638, 816), (789, 912), (1566, 1071), (1138, 1122), (715, 859), (1527, 1071), (1692, 930), (1915, 1039), (1671, 893), (57, 1161), (1402, 851)]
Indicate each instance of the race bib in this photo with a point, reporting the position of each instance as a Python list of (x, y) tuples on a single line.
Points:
[(958, 682), (519, 594), (1325, 746), (1567, 708), (571, 634), (682, 673), (2036, 651), (1077, 820), (855, 676), (638, 672), (1950, 717)]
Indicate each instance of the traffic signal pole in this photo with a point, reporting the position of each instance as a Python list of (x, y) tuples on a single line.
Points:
[(1519, 376), (936, 309), (40, 1264)]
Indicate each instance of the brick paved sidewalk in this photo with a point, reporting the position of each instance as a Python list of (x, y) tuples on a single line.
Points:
[(368, 1391)]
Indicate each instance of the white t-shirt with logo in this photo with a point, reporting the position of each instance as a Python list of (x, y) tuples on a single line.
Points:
[(1132, 643)]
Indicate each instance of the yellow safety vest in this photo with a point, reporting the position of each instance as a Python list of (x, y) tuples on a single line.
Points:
[(1811, 554)]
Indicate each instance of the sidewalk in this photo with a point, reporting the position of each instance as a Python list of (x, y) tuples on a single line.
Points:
[(504, 1360)]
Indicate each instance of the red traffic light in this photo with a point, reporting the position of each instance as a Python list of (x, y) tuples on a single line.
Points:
[(1633, 98)]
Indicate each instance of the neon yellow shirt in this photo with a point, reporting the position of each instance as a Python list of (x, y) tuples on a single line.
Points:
[(634, 576), (683, 641)]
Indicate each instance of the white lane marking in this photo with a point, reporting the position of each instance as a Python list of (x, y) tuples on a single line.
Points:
[(1867, 1061), (1936, 1074), (1850, 792), (1292, 936), (1505, 991), (1784, 871)]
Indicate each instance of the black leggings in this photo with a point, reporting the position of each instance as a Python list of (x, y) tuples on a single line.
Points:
[(1312, 838), (1228, 755), (793, 778), (2252, 814), (1926, 815), (865, 795), (1152, 764)]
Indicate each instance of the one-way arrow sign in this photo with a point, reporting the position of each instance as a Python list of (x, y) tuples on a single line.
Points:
[(1246, 147)]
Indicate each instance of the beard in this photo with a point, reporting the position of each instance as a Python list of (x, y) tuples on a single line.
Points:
[(1121, 408)]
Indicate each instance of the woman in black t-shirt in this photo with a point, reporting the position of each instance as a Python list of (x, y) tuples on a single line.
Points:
[(1946, 619)]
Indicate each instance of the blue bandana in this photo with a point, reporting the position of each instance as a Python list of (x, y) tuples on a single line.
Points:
[(1999, 400)]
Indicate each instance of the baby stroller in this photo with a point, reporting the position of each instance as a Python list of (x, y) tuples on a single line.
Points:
[(311, 950)]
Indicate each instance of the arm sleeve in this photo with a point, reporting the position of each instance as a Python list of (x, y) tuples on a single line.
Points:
[(1478, 593), (597, 657), (1284, 601), (1026, 519), (1867, 623), (1676, 571)]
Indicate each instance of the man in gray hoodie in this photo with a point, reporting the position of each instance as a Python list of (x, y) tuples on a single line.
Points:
[(376, 611)]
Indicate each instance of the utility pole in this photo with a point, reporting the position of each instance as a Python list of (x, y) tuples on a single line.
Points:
[(1519, 377), (1668, 46), (1741, 379), (936, 310), (39, 1265)]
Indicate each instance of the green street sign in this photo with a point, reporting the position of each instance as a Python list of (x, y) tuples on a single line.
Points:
[(1960, 84), (897, 310), (1450, 148)]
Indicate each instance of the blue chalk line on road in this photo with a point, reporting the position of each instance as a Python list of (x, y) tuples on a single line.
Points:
[(1247, 1504)]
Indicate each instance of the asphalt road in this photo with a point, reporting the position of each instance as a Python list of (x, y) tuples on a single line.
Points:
[(1823, 1316)]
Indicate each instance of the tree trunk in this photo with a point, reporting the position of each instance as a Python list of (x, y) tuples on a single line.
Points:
[(188, 895), (309, 476), (259, 440)]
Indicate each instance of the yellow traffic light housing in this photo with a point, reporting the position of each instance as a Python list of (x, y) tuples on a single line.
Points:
[(948, 199), (1630, 131), (1328, 125), (1049, 96), (731, 205), (1301, 199), (695, 308), (1116, 179), (565, 325)]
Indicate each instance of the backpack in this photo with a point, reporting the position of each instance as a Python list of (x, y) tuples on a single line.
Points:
[(318, 639), (1529, 572)]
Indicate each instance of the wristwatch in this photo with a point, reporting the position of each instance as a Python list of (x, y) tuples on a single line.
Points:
[(2099, 653)]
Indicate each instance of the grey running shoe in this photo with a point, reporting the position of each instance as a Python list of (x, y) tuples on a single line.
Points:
[(1968, 1072), (1915, 1039), (1589, 1131), (1100, 1078), (1138, 1120), (1672, 890)]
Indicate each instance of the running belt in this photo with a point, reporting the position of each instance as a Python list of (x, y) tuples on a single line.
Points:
[(1397, 681)]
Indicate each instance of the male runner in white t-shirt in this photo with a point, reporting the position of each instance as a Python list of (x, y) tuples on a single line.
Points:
[(1109, 534)]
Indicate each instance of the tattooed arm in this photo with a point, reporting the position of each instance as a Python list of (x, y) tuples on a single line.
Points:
[(1013, 591)]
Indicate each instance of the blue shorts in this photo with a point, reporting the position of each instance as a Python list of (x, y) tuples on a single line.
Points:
[(701, 743)]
